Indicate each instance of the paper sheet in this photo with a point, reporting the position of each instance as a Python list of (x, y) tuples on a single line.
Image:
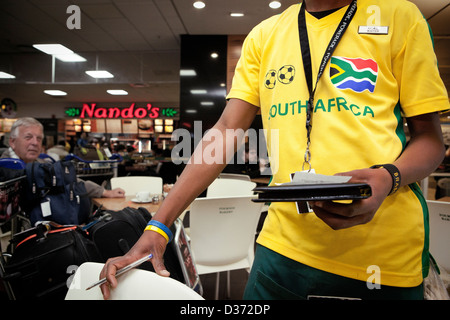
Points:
[(302, 177)]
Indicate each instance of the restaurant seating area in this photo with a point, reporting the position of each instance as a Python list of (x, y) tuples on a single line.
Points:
[(221, 227)]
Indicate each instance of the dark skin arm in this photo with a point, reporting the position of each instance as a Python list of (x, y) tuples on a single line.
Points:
[(422, 156), (194, 179)]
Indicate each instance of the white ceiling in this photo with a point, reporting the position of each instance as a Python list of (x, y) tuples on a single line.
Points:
[(136, 40)]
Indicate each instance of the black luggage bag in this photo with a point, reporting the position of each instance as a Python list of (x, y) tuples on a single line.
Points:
[(115, 232), (44, 259)]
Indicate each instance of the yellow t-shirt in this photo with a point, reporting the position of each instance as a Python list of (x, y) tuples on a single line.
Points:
[(370, 83)]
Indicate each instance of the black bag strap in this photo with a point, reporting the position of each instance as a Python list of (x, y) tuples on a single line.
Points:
[(307, 66)]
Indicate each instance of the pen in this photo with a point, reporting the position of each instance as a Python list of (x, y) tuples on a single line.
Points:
[(123, 270)]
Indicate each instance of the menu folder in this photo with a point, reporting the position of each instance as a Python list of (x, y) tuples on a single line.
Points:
[(310, 192)]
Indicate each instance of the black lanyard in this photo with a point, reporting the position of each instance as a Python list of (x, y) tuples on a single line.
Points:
[(306, 56)]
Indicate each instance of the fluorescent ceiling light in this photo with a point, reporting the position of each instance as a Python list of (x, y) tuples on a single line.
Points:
[(55, 92), (275, 4), (199, 91), (236, 14), (99, 74), (199, 4), (71, 57), (207, 103), (191, 111), (4, 75), (60, 52), (117, 92), (188, 73), (54, 49)]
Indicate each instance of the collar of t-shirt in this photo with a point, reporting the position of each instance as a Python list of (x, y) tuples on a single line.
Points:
[(321, 14)]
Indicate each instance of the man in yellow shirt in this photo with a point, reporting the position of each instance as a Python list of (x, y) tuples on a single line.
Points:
[(334, 80)]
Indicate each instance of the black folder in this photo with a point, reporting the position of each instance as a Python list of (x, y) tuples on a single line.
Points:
[(310, 192)]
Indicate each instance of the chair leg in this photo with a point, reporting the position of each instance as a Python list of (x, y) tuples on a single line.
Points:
[(217, 285), (228, 284)]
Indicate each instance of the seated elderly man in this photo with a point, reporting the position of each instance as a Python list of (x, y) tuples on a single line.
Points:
[(25, 143)]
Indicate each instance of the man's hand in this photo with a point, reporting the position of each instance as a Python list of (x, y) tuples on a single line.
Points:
[(150, 242), (342, 215), (114, 193)]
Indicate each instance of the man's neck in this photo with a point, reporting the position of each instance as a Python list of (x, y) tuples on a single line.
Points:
[(324, 5)]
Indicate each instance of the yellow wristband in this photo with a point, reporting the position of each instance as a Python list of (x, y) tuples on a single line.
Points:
[(158, 230)]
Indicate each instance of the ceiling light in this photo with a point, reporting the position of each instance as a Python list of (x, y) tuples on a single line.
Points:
[(99, 74), (199, 91), (207, 103), (4, 75), (60, 52), (275, 4), (55, 92), (117, 92), (188, 73), (214, 55), (54, 49), (72, 57), (199, 4), (190, 111), (236, 14)]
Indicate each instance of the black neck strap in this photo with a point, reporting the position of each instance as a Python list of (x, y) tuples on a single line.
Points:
[(306, 56)]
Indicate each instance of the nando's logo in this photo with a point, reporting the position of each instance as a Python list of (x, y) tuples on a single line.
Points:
[(95, 112)]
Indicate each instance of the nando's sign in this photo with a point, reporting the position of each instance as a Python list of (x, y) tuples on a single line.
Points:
[(92, 111)]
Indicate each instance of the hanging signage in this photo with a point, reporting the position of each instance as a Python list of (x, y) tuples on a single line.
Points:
[(92, 111)]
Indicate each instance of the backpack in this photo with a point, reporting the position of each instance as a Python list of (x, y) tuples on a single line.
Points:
[(53, 193), (115, 232)]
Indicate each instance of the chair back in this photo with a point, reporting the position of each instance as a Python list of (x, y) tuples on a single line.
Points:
[(223, 229), (230, 187), (134, 285), (234, 176), (135, 184), (440, 232)]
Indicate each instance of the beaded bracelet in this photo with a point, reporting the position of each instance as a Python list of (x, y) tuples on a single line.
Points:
[(160, 228)]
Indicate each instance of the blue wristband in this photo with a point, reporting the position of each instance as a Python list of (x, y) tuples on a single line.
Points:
[(162, 227)]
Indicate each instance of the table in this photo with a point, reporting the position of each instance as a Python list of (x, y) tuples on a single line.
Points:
[(116, 204), (263, 180)]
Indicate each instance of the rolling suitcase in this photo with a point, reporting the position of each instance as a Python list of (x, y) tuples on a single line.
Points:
[(45, 258)]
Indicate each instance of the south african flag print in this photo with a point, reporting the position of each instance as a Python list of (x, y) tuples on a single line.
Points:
[(353, 73)]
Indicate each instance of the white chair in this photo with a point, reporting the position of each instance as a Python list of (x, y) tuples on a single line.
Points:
[(230, 187), (234, 176), (134, 184), (134, 285), (440, 232), (222, 233)]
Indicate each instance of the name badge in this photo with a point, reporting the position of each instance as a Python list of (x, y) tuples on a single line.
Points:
[(46, 209), (373, 29), (302, 206)]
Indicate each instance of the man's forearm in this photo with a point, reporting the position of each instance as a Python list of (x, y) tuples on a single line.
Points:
[(209, 159), (424, 152)]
